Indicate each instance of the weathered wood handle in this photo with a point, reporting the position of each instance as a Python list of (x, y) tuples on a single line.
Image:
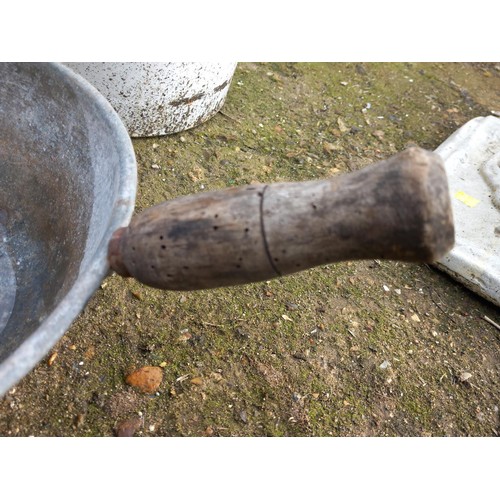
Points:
[(397, 209)]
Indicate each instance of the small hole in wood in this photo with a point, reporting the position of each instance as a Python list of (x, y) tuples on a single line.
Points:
[(216, 227), (185, 267), (238, 266), (216, 215), (161, 237), (246, 230), (163, 247), (314, 206)]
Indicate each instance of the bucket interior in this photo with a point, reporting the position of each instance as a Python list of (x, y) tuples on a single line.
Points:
[(59, 173)]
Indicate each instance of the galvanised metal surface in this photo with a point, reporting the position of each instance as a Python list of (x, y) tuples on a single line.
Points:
[(154, 98), (67, 181)]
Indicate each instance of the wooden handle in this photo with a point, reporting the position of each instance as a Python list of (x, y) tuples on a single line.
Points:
[(397, 209)]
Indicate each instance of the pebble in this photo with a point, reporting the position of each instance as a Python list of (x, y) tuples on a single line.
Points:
[(127, 428), (464, 376), (197, 381), (184, 336), (137, 295), (328, 147), (147, 379), (385, 365), (386, 288), (414, 317), (342, 126), (52, 358)]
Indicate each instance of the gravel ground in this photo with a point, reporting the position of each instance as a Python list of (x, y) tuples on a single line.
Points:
[(366, 348)]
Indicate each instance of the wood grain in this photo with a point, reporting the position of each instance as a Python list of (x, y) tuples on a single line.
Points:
[(397, 209)]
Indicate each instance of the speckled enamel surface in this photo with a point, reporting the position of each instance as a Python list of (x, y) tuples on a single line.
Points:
[(154, 98)]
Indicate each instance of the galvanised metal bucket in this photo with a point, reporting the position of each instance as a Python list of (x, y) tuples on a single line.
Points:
[(67, 181)]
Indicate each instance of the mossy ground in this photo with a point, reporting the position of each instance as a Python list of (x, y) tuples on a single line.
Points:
[(300, 355)]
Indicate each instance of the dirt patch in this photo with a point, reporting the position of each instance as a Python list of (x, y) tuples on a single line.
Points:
[(372, 348)]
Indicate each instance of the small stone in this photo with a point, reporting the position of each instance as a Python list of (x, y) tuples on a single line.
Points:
[(182, 138), (243, 416), (127, 428), (216, 376), (286, 318), (464, 376), (414, 317), (52, 358), (397, 291), (154, 166), (290, 306), (137, 295), (79, 420), (385, 365), (386, 288), (328, 147), (342, 126), (242, 333), (147, 379), (155, 145), (344, 84), (197, 381), (184, 336)]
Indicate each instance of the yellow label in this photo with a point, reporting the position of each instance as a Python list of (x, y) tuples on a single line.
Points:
[(467, 199)]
